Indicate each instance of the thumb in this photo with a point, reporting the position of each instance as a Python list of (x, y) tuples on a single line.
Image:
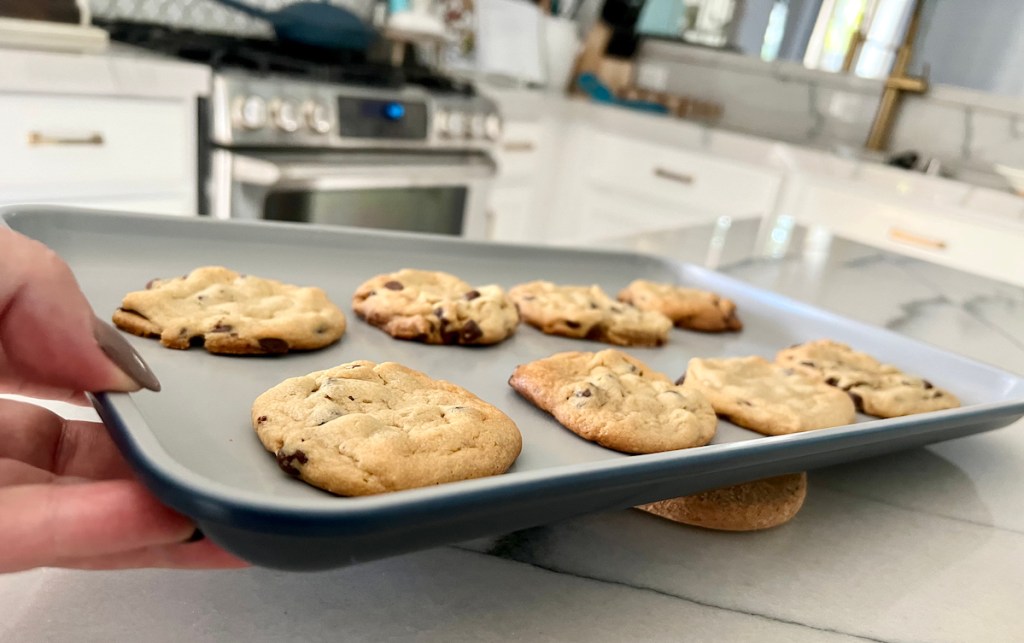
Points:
[(48, 333)]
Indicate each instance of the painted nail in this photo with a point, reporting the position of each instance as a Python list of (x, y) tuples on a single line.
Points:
[(123, 355), (196, 536)]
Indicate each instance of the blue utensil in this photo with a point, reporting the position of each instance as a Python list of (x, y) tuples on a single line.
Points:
[(318, 24), (600, 93)]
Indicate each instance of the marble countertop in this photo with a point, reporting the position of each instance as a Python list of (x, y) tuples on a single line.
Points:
[(923, 545)]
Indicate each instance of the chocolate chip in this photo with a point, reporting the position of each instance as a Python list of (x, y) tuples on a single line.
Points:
[(858, 401), (439, 312), (394, 285), (471, 295), (832, 381), (927, 384), (273, 345), (261, 419), (572, 324), (811, 364), (471, 331), (197, 341), (287, 461), (593, 306), (222, 328), (584, 393), (351, 398), (320, 330), (682, 378), (151, 283)]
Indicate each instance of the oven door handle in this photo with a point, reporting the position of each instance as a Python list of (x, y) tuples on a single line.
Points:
[(320, 175)]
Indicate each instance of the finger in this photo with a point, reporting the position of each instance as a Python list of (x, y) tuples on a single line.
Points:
[(47, 328), (201, 555), (14, 472), (44, 440), (47, 525)]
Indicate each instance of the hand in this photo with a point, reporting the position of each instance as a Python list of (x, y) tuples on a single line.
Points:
[(67, 497)]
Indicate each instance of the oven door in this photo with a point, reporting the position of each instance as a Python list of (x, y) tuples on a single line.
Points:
[(443, 193)]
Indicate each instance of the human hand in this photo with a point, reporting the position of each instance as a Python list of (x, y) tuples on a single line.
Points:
[(67, 497)]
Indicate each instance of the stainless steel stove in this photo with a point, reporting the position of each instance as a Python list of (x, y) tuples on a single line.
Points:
[(322, 136)]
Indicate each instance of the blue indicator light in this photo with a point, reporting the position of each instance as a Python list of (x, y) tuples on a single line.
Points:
[(394, 111)]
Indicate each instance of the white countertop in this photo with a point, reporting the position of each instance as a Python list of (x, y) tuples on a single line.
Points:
[(119, 71), (924, 545)]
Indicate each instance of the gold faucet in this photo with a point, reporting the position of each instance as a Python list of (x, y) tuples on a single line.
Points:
[(898, 83)]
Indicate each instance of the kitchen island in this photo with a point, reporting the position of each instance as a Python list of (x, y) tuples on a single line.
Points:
[(923, 545)]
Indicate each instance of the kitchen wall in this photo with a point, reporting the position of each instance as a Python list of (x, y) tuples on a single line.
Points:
[(967, 129)]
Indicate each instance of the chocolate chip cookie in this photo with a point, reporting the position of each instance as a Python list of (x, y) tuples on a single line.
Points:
[(586, 312), (756, 394), (749, 506), (689, 308), (875, 388), (613, 399), (364, 428), (230, 313), (436, 308)]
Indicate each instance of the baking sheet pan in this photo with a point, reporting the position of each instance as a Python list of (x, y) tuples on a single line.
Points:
[(193, 445)]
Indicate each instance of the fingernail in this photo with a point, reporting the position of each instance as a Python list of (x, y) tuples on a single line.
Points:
[(196, 536), (123, 355)]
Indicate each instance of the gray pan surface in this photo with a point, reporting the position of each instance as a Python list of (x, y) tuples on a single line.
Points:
[(193, 444)]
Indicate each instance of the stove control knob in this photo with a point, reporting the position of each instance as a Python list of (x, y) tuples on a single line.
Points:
[(492, 127), (318, 117), (477, 126), (251, 112), (286, 115), (458, 125), (441, 122)]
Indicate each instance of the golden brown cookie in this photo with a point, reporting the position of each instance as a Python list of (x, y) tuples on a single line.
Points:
[(875, 388), (230, 313), (364, 428), (586, 312), (613, 399), (756, 394), (436, 308), (749, 506), (689, 308)]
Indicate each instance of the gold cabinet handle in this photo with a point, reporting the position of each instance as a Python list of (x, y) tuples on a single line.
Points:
[(519, 146), (37, 139), (903, 236), (678, 177)]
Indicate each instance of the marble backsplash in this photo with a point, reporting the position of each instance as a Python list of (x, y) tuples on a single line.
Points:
[(966, 129)]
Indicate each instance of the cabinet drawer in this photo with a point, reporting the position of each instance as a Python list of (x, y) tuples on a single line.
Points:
[(519, 149), (983, 248), (61, 145), (679, 176)]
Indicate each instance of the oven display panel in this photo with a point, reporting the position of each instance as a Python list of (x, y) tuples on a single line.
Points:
[(373, 118)]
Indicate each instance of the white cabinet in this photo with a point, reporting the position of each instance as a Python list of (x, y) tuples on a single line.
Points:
[(104, 131), (525, 166), (951, 235), (612, 185)]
